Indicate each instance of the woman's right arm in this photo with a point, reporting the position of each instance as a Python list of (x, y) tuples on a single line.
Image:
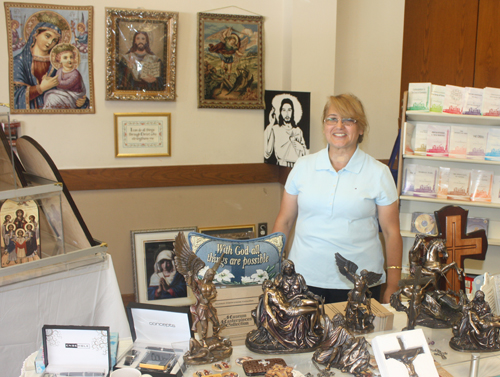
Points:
[(287, 215)]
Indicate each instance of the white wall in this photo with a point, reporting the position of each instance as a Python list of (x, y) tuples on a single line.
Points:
[(302, 53), (199, 136), (368, 64)]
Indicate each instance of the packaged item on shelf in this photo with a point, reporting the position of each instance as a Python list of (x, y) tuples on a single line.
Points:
[(409, 139), (495, 191), (476, 142), (493, 145), (458, 184), (477, 223), (480, 185), (421, 139), (458, 142), (491, 102), (473, 101), (424, 223), (409, 179), (437, 98), (444, 177), (426, 181), (419, 96), (454, 99), (438, 141)]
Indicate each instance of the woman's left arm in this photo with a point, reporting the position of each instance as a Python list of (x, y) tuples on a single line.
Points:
[(388, 217)]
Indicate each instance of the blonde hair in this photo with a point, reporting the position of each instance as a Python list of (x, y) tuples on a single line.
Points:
[(348, 106)]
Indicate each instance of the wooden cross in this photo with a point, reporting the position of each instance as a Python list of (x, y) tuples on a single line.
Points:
[(452, 226)]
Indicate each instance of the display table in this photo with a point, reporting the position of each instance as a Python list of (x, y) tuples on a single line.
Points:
[(87, 296), (457, 364)]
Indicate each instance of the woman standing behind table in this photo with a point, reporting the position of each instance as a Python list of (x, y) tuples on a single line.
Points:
[(336, 197)]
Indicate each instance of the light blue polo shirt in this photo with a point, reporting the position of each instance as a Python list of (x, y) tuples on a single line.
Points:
[(338, 213)]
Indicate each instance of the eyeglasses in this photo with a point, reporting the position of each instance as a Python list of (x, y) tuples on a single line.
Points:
[(345, 121)]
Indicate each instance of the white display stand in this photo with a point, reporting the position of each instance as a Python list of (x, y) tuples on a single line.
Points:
[(86, 296)]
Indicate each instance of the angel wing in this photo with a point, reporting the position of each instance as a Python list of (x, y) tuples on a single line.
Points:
[(346, 267), (187, 262), (372, 277)]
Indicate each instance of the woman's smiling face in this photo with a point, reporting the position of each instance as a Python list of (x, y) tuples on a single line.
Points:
[(341, 136)]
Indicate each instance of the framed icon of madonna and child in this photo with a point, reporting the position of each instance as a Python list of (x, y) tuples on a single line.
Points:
[(50, 59)]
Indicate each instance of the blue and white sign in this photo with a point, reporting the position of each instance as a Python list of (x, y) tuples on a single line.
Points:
[(244, 262)]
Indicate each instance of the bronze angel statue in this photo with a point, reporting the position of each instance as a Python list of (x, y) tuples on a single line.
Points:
[(358, 311), (207, 349)]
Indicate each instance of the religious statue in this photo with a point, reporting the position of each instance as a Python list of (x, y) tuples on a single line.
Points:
[(207, 349), (478, 329), (428, 305), (287, 316), (414, 290), (358, 311), (340, 349)]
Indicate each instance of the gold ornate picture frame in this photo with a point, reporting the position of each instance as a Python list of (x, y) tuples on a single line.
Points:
[(230, 61), (140, 54), (50, 58), (142, 134)]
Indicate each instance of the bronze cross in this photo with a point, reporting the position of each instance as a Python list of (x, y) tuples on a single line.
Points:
[(418, 280), (452, 226), (405, 356)]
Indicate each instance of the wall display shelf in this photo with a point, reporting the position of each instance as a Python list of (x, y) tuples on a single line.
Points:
[(62, 240), (409, 204)]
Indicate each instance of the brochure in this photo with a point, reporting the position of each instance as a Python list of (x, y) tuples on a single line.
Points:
[(473, 101), (444, 176), (438, 141), (421, 139), (437, 98), (493, 145), (454, 99), (419, 96), (480, 185), (458, 184), (491, 102), (458, 142), (426, 181), (476, 142)]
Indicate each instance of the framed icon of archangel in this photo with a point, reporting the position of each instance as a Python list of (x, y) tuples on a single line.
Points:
[(140, 54), (230, 61), (50, 58)]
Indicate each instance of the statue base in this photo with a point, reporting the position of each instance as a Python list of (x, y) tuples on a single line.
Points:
[(214, 349)]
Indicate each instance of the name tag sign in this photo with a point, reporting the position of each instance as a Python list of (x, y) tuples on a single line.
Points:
[(247, 262)]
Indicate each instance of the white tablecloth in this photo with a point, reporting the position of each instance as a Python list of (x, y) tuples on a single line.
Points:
[(87, 296)]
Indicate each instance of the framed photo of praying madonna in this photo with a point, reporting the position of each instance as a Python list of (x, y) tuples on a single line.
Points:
[(156, 278), (50, 58), (230, 61), (140, 54)]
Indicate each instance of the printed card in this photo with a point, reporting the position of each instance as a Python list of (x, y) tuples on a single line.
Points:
[(438, 141), (476, 142), (419, 96), (458, 141), (458, 184), (454, 99), (426, 181)]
